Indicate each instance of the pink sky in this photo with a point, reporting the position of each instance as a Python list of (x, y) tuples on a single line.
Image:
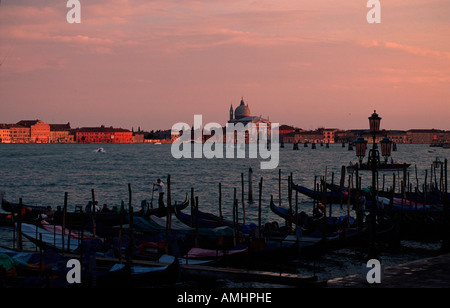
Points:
[(152, 63)]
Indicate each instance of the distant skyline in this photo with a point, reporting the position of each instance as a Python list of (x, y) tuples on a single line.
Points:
[(151, 64)]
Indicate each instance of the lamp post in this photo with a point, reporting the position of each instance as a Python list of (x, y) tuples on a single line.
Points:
[(374, 123), (386, 148), (361, 147)]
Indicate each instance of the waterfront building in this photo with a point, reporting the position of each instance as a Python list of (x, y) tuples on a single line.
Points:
[(426, 136), (19, 133), (286, 129), (39, 130), (329, 135), (287, 133), (288, 137), (60, 133), (315, 136), (397, 136), (5, 133), (103, 134), (138, 137)]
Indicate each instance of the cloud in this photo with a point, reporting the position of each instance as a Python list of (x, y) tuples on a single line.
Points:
[(418, 51), (413, 50)]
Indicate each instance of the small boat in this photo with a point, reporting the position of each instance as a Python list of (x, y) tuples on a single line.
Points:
[(162, 211), (35, 213), (406, 205), (52, 240), (31, 213), (126, 275), (207, 220), (212, 254), (333, 197), (384, 166), (332, 222), (29, 269), (26, 269), (159, 225), (254, 250)]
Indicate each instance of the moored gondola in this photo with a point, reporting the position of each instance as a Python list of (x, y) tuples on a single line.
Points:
[(79, 218)]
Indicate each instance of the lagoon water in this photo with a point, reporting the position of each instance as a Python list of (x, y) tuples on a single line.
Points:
[(40, 174)]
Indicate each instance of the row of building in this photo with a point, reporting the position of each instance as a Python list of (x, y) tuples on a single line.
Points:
[(37, 131), (290, 134)]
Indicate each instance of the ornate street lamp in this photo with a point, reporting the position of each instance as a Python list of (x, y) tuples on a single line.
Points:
[(374, 123), (361, 147), (386, 148)]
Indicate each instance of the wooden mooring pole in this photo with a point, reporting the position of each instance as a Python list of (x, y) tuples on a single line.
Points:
[(92, 213), (19, 226), (279, 187), (250, 185), (242, 198), (63, 233), (192, 206), (259, 208), (220, 202), (169, 203), (122, 212), (130, 224)]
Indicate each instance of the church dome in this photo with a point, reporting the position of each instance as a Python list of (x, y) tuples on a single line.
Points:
[(241, 111)]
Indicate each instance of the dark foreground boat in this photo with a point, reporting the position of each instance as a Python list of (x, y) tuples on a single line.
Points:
[(319, 235), (33, 213), (250, 252), (202, 219), (50, 239), (119, 275), (329, 197), (297, 219), (49, 269)]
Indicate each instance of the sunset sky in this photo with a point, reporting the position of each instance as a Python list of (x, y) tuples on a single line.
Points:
[(152, 63)]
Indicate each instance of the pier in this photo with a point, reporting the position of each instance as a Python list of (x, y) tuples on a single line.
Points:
[(237, 274), (206, 273), (433, 272)]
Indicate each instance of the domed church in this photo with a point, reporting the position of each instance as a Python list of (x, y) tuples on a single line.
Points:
[(242, 115)]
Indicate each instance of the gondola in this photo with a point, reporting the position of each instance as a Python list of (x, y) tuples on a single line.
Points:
[(158, 226), (31, 214), (433, 199), (32, 269), (330, 233), (119, 275), (207, 220), (329, 197), (162, 211), (292, 216), (384, 166), (48, 269), (48, 239), (250, 252)]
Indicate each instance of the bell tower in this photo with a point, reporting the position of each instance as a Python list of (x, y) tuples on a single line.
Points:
[(231, 112)]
